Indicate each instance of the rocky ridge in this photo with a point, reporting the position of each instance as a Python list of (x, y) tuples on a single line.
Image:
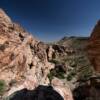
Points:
[(93, 47), (23, 60)]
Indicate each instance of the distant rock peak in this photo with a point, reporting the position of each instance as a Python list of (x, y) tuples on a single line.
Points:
[(93, 47)]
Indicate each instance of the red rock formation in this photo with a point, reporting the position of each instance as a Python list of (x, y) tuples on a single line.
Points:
[(93, 47)]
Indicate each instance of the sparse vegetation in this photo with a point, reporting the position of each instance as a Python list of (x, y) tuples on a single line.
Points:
[(71, 75), (2, 87), (56, 72), (86, 73), (77, 63)]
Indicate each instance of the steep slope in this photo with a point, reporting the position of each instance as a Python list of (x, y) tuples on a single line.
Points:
[(90, 90), (23, 59), (93, 47), (70, 59)]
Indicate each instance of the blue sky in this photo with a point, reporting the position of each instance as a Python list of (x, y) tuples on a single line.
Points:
[(50, 20)]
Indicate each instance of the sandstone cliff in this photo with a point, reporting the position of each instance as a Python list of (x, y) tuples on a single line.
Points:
[(23, 59), (93, 47)]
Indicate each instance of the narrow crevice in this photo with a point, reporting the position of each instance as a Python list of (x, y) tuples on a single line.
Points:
[(21, 36), (30, 65), (2, 47)]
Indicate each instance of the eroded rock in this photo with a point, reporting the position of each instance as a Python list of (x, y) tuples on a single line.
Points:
[(23, 58), (93, 47), (62, 89)]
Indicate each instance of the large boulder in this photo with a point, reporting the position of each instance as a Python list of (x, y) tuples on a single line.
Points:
[(62, 89)]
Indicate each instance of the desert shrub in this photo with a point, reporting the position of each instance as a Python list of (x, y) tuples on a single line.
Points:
[(54, 61), (56, 72), (71, 75), (86, 73), (50, 76), (2, 86), (73, 64)]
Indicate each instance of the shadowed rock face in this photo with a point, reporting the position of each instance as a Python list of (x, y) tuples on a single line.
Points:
[(93, 47), (40, 93), (90, 90)]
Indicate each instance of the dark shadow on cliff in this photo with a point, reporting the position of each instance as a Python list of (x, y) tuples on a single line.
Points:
[(88, 90), (40, 93)]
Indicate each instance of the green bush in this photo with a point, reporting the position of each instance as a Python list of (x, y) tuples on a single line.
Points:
[(71, 75), (56, 73), (2, 86), (86, 74), (50, 76)]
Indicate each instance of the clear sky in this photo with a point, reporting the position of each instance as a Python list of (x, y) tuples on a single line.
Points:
[(53, 19)]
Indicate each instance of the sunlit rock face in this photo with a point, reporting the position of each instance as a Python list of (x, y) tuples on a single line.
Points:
[(62, 89), (24, 61), (23, 58), (93, 47)]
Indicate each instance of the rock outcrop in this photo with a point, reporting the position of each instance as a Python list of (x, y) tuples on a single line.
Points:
[(93, 47), (23, 59), (62, 89)]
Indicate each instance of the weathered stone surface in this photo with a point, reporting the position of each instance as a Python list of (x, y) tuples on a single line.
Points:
[(22, 57), (89, 90), (93, 47), (62, 89), (24, 60)]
